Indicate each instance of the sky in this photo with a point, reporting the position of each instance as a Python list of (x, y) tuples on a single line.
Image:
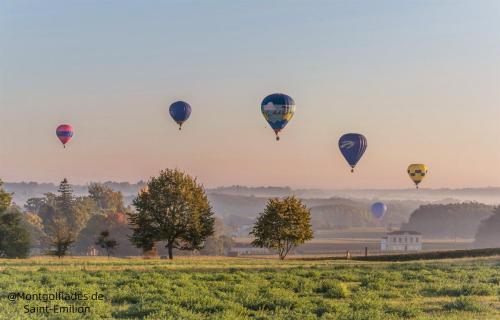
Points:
[(420, 79)]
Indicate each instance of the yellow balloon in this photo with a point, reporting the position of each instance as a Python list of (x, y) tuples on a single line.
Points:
[(417, 172)]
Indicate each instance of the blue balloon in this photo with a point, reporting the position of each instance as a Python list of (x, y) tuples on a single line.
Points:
[(278, 109), (180, 112), (379, 209), (352, 146)]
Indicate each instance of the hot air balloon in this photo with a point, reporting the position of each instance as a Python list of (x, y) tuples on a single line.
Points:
[(378, 210), (352, 146), (180, 112), (278, 109), (64, 132), (417, 172)]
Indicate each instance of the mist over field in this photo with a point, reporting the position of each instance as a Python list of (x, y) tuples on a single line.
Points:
[(341, 219), (487, 195)]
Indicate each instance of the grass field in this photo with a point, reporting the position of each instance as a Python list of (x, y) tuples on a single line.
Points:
[(243, 288)]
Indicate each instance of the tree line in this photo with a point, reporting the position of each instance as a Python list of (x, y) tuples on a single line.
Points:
[(172, 211), (172, 214)]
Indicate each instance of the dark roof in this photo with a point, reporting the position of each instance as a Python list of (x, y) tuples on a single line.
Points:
[(403, 232)]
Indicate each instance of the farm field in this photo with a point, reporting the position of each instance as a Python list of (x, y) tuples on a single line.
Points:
[(336, 242), (248, 288)]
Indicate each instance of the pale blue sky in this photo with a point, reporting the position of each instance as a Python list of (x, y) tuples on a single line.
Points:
[(421, 80)]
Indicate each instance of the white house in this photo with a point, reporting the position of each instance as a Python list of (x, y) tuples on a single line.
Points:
[(401, 241)]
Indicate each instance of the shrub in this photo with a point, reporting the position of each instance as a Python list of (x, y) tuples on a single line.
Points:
[(403, 311), (464, 303), (332, 289)]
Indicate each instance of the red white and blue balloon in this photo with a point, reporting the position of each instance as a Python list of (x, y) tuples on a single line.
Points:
[(64, 132)]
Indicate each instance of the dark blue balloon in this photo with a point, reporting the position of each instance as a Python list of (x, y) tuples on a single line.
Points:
[(278, 109), (279, 99), (180, 112), (352, 146), (378, 210)]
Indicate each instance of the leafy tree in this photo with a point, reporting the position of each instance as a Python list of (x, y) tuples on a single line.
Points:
[(14, 238), (34, 225), (61, 236), (48, 210), (116, 224), (84, 208), (34, 205), (106, 198), (284, 224), (65, 198), (448, 220), (105, 242), (174, 208), (76, 211), (5, 198), (488, 233)]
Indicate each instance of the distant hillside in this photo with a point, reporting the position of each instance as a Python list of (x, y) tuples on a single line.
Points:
[(448, 220), (488, 232), (326, 213), (227, 205), (239, 205), (25, 190), (491, 195)]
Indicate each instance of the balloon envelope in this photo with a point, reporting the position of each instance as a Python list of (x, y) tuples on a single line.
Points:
[(278, 109), (64, 132), (352, 146), (417, 172), (180, 112), (379, 209)]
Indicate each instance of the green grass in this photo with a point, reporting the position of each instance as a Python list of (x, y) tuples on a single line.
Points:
[(238, 288), (433, 255)]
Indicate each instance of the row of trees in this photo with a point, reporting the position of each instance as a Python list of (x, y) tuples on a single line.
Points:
[(172, 210), (173, 213), (14, 238), (449, 220)]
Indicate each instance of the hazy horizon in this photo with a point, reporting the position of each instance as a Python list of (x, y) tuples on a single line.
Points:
[(229, 186), (418, 79)]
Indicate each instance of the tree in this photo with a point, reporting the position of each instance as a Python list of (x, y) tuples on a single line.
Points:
[(105, 242), (284, 224), (61, 236), (14, 238), (117, 225), (448, 220), (5, 198), (34, 205), (84, 208), (34, 225), (174, 208), (76, 211), (65, 198), (106, 198), (488, 233), (48, 210)]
